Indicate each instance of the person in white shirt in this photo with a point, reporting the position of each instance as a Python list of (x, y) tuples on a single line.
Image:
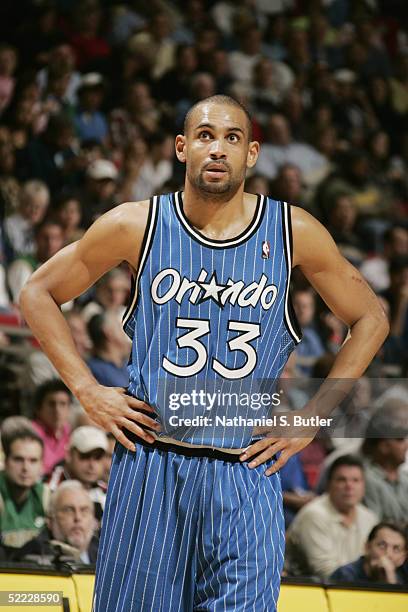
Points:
[(279, 148), (331, 530)]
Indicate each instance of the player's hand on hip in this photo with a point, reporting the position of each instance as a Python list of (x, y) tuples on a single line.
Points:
[(286, 438), (268, 447), (113, 410)]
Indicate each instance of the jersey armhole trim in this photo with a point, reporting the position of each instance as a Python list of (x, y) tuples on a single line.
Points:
[(291, 321), (144, 253)]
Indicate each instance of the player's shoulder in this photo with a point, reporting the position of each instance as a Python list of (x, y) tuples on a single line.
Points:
[(301, 219), (307, 233), (131, 212), (127, 218)]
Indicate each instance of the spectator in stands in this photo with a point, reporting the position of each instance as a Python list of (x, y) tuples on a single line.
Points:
[(111, 295), (280, 148), (70, 521), (8, 427), (202, 85), (133, 161), (90, 122), (20, 227), (288, 185), (385, 553), (52, 418), (85, 461), (311, 347), (174, 85), (9, 185), (61, 61), (341, 223), (51, 156), (68, 211), (299, 53), (271, 81), (91, 48), (257, 184), (243, 61), (23, 498), (206, 43), (384, 448), (368, 197), (49, 239), (376, 269), (8, 65), (98, 195), (139, 117), (220, 70), (110, 351), (331, 530), (155, 43), (396, 295), (155, 171), (194, 18)]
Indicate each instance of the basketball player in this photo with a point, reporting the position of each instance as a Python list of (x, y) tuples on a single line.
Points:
[(189, 523)]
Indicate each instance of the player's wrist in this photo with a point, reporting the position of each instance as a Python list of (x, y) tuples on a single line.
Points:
[(85, 389)]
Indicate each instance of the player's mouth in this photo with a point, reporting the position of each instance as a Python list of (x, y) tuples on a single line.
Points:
[(216, 170)]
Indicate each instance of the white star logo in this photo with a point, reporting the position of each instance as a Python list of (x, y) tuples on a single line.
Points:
[(212, 290)]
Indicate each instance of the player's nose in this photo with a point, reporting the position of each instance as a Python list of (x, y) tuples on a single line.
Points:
[(217, 149)]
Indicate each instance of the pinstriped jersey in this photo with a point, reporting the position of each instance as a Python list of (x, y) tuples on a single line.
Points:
[(210, 322)]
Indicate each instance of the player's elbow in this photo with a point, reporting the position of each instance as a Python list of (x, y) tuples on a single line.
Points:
[(28, 295), (379, 323)]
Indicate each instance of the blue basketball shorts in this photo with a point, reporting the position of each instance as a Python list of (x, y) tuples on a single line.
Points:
[(189, 534)]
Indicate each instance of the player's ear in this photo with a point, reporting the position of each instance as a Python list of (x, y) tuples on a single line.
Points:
[(253, 152), (181, 148)]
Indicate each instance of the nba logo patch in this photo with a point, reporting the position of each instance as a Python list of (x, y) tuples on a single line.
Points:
[(266, 249)]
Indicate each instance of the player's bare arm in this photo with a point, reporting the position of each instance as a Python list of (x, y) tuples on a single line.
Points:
[(350, 298), (113, 238)]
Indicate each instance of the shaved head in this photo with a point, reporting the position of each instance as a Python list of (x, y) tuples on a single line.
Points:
[(221, 100)]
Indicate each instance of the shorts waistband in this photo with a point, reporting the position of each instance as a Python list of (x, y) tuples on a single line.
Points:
[(168, 444)]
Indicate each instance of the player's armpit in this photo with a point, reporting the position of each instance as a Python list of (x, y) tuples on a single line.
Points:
[(113, 238)]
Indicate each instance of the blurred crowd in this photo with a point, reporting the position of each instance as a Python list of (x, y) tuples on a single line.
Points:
[(92, 93)]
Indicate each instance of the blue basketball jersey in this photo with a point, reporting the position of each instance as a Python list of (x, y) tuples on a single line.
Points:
[(210, 322)]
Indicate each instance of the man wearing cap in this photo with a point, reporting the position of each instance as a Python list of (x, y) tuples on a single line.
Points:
[(84, 461), (90, 122), (99, 190)]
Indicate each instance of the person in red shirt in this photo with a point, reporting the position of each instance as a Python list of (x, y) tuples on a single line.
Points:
[(52, 406)]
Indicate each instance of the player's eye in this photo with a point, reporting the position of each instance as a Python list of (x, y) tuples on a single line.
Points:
[(233, 137), (204, 135)]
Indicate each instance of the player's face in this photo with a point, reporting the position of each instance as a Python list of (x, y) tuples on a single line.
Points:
[(24, 464), (216, 149)]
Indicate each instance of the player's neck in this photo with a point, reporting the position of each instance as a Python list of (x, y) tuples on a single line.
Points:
[(218, 218)]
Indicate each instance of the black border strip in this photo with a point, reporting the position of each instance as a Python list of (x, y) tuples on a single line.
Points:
[(220, 244), (287, 231), (143, 257)]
